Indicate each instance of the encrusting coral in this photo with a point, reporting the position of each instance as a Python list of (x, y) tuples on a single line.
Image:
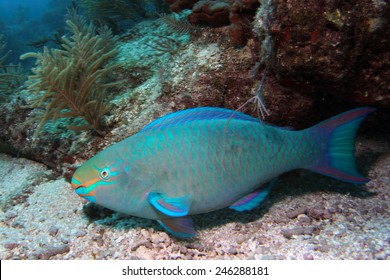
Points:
[(74, 79)]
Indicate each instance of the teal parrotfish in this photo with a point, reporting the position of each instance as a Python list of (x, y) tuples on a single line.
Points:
[(204, 159)]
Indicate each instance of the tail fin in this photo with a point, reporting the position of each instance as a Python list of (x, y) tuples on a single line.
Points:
[(338, 160)]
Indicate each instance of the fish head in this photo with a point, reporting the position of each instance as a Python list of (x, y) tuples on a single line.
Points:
[(101, 179)]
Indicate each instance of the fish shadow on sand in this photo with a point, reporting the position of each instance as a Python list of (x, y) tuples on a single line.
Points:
[(290, 185)]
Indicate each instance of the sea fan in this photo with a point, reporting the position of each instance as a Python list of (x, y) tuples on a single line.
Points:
[(74, 78)]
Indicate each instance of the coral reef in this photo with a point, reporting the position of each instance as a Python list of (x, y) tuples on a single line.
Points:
[(325, 53), (212, 13), (238, 14), (74, 79), (241, 16)]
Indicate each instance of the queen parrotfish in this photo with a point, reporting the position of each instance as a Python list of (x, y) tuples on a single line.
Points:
[(204, 159)]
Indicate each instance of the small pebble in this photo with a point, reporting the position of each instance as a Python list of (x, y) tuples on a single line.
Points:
[(160, 237), (280, 220), (101, 254), (232, 251), (303, 219), (262, 250), (52, 251), (99, 240), (308, 230), (379, 209), (174, 248), (183, 250), (80, 233), (288, 233), (267, 257), (294, 213), (198, 246), (237, 227), (65, 240), (10, 214), (10, 245), (148, 245), (18, 224), (322, 248), (315, 213), (241, 238), (53, 230), (308, 256), (119, 239), (137, 244), (326, 215)]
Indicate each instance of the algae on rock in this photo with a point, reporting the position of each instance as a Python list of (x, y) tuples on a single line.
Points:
[(75, 78)]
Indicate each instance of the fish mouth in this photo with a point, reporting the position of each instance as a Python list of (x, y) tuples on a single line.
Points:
[(80, 190), (86, 193), (83, 191), (76, 184)]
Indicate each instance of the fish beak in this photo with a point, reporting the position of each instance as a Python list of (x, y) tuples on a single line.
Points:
[(83, 191), (75, 183)]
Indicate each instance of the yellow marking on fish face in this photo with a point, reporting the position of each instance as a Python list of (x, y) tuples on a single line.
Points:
[(78, 181), (84, 176)]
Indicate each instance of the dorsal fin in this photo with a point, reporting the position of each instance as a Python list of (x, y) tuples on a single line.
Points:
[(197, 114)]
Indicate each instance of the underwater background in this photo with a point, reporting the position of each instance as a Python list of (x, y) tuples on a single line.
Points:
[(78, 76)]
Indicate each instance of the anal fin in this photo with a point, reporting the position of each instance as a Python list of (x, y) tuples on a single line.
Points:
[(180, 227), (253, 199)]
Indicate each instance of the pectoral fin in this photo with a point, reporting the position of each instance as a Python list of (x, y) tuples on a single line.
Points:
[(180, 227), (173, 207), (253, 199)]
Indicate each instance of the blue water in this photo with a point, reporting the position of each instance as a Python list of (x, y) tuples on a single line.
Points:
[(26, 21), (10, 8)]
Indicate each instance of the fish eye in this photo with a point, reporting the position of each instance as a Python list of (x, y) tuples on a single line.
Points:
[(104, 173)]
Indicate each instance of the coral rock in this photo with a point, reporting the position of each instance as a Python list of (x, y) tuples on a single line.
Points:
[(236, 13), (179, 5), (341, 50), (212, 13)]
